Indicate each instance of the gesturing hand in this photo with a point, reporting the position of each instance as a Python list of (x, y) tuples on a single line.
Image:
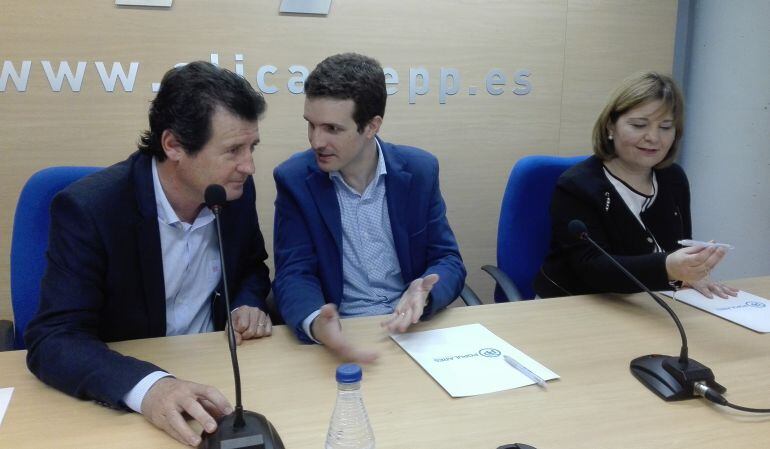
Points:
[(410, 306), (327, 329)]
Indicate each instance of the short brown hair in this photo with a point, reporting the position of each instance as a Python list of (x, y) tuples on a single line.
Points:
[(351, 76), (634, 91)]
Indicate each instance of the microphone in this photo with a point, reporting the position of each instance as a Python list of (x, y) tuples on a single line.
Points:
[(215, 198), (241, 428), (671, 378)]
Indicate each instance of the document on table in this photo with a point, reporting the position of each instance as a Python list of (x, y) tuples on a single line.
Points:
[(747, 310), (5, 399), (468, 360)]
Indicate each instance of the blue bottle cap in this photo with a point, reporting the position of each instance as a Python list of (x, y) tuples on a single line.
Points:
[(348, 373)]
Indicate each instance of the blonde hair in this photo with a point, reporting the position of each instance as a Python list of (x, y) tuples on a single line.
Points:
[(634, 91)]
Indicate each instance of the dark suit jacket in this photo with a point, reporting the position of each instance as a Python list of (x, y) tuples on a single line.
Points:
[(308, 232), (583, 192), (104, 280)]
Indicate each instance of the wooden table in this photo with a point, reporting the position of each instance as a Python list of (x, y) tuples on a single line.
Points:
[(589, 341)]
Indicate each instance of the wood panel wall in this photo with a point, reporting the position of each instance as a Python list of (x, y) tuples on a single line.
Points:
[(575, 50)]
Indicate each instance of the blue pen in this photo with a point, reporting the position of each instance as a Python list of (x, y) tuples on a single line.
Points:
[(523, 370)]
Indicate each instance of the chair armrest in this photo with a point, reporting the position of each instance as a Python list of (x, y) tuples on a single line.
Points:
[(469, 297), (504, 282), (6, 336)]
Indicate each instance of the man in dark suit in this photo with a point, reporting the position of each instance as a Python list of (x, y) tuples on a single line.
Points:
[(133, 254), (360, 224)]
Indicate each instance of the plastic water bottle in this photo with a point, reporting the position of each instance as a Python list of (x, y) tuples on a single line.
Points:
[(349, 427)]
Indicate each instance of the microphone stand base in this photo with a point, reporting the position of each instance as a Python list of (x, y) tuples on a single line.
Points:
[(669, 379), (257, 433)]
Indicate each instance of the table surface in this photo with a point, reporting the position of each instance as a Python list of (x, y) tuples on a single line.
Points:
[(588, 340)]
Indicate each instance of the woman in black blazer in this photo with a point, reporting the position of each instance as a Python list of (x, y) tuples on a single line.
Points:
[(634, 200)]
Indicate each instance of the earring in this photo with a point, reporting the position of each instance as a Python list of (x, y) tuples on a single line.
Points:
[(610, 137)]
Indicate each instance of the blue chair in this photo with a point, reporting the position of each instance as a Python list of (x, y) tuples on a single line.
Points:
[(524, 229), (30, 240)]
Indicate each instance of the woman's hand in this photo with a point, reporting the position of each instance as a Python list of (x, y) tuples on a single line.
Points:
[(709, 288), (693, 264)]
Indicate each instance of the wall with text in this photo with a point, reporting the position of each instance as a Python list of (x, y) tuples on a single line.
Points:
[(479, 83)]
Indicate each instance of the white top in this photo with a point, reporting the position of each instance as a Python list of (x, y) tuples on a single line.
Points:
[(636, 201)]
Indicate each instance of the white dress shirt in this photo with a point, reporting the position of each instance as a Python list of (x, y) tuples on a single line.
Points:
[(191, 272)]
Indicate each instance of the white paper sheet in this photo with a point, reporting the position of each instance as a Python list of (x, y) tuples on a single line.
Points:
[(468, 360), (5, 399), (747, 310)]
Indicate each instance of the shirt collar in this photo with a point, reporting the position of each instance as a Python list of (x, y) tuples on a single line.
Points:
[(166, 213), (379, 171)]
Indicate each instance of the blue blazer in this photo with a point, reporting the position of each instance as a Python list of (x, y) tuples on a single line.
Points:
[(308, 232), (104, 280)]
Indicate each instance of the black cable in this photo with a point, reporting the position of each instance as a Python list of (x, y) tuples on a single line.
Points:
[(701, 389), (747, 409)]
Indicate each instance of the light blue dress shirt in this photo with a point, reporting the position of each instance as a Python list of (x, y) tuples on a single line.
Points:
[(372, 282), (191, 272)]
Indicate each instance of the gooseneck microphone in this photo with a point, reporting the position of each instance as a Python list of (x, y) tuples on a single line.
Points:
[(241, 428), (671, 378)]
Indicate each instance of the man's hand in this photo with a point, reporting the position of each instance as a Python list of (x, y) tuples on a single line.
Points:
[(410, 306), (327, 329), (169, 398), (250, 322)]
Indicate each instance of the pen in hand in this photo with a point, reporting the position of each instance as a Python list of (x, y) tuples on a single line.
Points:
[(523, 370), (687, 242)]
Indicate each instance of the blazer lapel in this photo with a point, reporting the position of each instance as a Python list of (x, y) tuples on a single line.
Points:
[(322, 190), (398, 182), (148, 243)]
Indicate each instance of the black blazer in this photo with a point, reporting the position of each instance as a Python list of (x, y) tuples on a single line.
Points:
[(104, 280), (583, 192)]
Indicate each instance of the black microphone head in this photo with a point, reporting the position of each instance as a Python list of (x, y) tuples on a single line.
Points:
[(215, 196), (577, 229)]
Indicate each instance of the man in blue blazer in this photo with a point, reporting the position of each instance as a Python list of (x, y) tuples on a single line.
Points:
[(133, 253), (360, 224)]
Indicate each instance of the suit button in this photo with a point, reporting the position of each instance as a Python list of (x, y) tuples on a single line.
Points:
[(649, 239)]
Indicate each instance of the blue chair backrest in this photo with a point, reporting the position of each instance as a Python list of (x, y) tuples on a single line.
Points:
[(30, 240), (524, 230)]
